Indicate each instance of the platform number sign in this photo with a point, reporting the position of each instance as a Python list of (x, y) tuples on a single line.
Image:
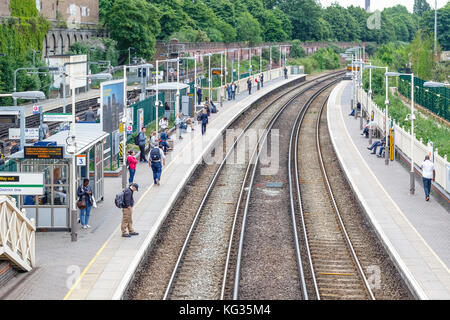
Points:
[(81, 160), (35, 109)]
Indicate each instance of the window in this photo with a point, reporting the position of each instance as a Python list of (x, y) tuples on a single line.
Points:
[(73, 9), (83, 11), (38, 5)]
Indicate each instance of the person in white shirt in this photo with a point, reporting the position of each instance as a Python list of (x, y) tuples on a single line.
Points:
[(154, 140), (428, 174), (164, 124)]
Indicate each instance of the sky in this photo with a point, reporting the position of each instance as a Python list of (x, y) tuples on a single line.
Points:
[(381, 4)]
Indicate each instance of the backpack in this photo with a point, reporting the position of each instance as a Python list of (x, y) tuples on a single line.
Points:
[(155, 154), (119, 199), (136, 139)]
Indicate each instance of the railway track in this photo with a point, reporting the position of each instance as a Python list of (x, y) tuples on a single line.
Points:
[(208, 235), (268, 260), (335, 269)]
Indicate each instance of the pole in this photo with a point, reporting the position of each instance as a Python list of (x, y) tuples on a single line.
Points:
[(260, 60), (353, 83), (386, 111), (64, 90), (435, 27), (74, 173), (221, 79), (195, 85), (270, 54), (22, 127), (177, 104), (369, 103), (412, 180), (129, 56), (124, 149), (157, 93), (239, 68), (251, 67), (280, 62), (34, 58), (87, 71), (209, 75)]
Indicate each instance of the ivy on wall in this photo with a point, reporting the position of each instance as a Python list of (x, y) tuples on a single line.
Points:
[(23, 32)]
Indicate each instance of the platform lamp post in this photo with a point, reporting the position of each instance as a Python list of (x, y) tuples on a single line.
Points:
[(411, 118), (72, 149), (369, 99), (34, 56), (129, 55)]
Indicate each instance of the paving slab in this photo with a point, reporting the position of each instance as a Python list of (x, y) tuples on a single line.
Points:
[(415, 232)]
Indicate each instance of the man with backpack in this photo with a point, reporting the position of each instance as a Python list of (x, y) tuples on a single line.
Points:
[(125, 201), (140, 140), (156, 155)]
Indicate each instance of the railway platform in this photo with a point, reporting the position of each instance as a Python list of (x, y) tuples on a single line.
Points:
[(101, 263), (413, 231)]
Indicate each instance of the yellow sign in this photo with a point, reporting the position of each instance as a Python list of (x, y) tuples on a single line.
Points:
[(121, 127), (392, 145), (354, 68)]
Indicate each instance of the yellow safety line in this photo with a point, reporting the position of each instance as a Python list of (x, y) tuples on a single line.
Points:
[(110, 237)]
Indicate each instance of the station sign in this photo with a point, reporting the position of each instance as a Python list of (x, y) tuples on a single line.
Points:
[(30, 133), (33, 152), (57, 117), (36, 110), (129, 129), (12, 183), (81, 160)]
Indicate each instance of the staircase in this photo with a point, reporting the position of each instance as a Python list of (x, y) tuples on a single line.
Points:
[(7, 272), (17, 236)]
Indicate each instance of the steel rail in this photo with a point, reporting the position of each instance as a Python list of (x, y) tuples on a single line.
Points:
[(211, 185), (250, 188), (338, 214)]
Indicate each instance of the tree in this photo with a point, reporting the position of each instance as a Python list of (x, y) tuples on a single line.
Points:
[(248, 28), (421, 6), (421, 52), (134, 23), (297, 50), (304, 16), (443, 21)]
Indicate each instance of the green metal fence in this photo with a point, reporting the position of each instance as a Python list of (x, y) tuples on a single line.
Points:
[(437, 100), (148, 105), (9, 166)]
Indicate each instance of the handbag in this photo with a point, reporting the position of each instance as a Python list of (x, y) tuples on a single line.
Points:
[(94, 203), (81, 204)]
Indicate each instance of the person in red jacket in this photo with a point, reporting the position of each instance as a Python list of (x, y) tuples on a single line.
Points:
[(132, 162)]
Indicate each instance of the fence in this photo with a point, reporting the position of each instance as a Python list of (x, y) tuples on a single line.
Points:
[(149, 113), (9, 166), (403, 142), (437, 100)]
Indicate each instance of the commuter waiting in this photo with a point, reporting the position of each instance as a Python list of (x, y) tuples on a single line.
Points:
[(366, 128), (164, 124), (132, 162), (377, 144), (163, 142)]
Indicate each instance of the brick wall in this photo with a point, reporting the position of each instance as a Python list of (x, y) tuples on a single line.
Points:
[(4, 8)]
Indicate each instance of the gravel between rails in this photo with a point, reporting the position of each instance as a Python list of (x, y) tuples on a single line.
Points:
[(269, 268), (152, 276), (386, 283)]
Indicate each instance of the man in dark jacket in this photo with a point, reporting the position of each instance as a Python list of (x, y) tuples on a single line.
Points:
[(199, 95), (14, 147), (249, 85), (127, 210), (142, 142)]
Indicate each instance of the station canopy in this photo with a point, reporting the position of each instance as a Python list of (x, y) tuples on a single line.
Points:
[(87, 135), (169, 86)]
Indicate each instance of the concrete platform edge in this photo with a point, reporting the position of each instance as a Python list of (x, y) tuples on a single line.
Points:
[(406, 275), (134, 265)]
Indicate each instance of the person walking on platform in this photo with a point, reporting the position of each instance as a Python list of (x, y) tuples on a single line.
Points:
[(249, 85), (233, 90), (261, 79), (285, 73), (208, 106), (84, 194), (156, 155), (142, 141), (257, 82), (178, 125), (127, 211), (132, 162), (167, 110), (204, 119), (428, 174), (199, 95), (230, 91)]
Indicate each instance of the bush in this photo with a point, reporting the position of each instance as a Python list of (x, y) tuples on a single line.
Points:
[(297, 50)]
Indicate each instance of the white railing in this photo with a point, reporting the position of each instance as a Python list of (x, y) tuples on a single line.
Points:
[(403, 142), (17, 235)]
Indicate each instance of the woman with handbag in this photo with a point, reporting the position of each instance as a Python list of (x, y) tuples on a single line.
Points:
[(85, 203)]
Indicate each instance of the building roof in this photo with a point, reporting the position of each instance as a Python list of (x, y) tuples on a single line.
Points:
[(169, 86), (87, 135)]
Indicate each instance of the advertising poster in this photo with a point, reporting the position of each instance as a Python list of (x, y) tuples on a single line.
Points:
[(113, 101)]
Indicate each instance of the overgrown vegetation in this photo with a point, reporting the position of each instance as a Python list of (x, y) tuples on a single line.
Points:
[(19, 36), (323, 59)]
